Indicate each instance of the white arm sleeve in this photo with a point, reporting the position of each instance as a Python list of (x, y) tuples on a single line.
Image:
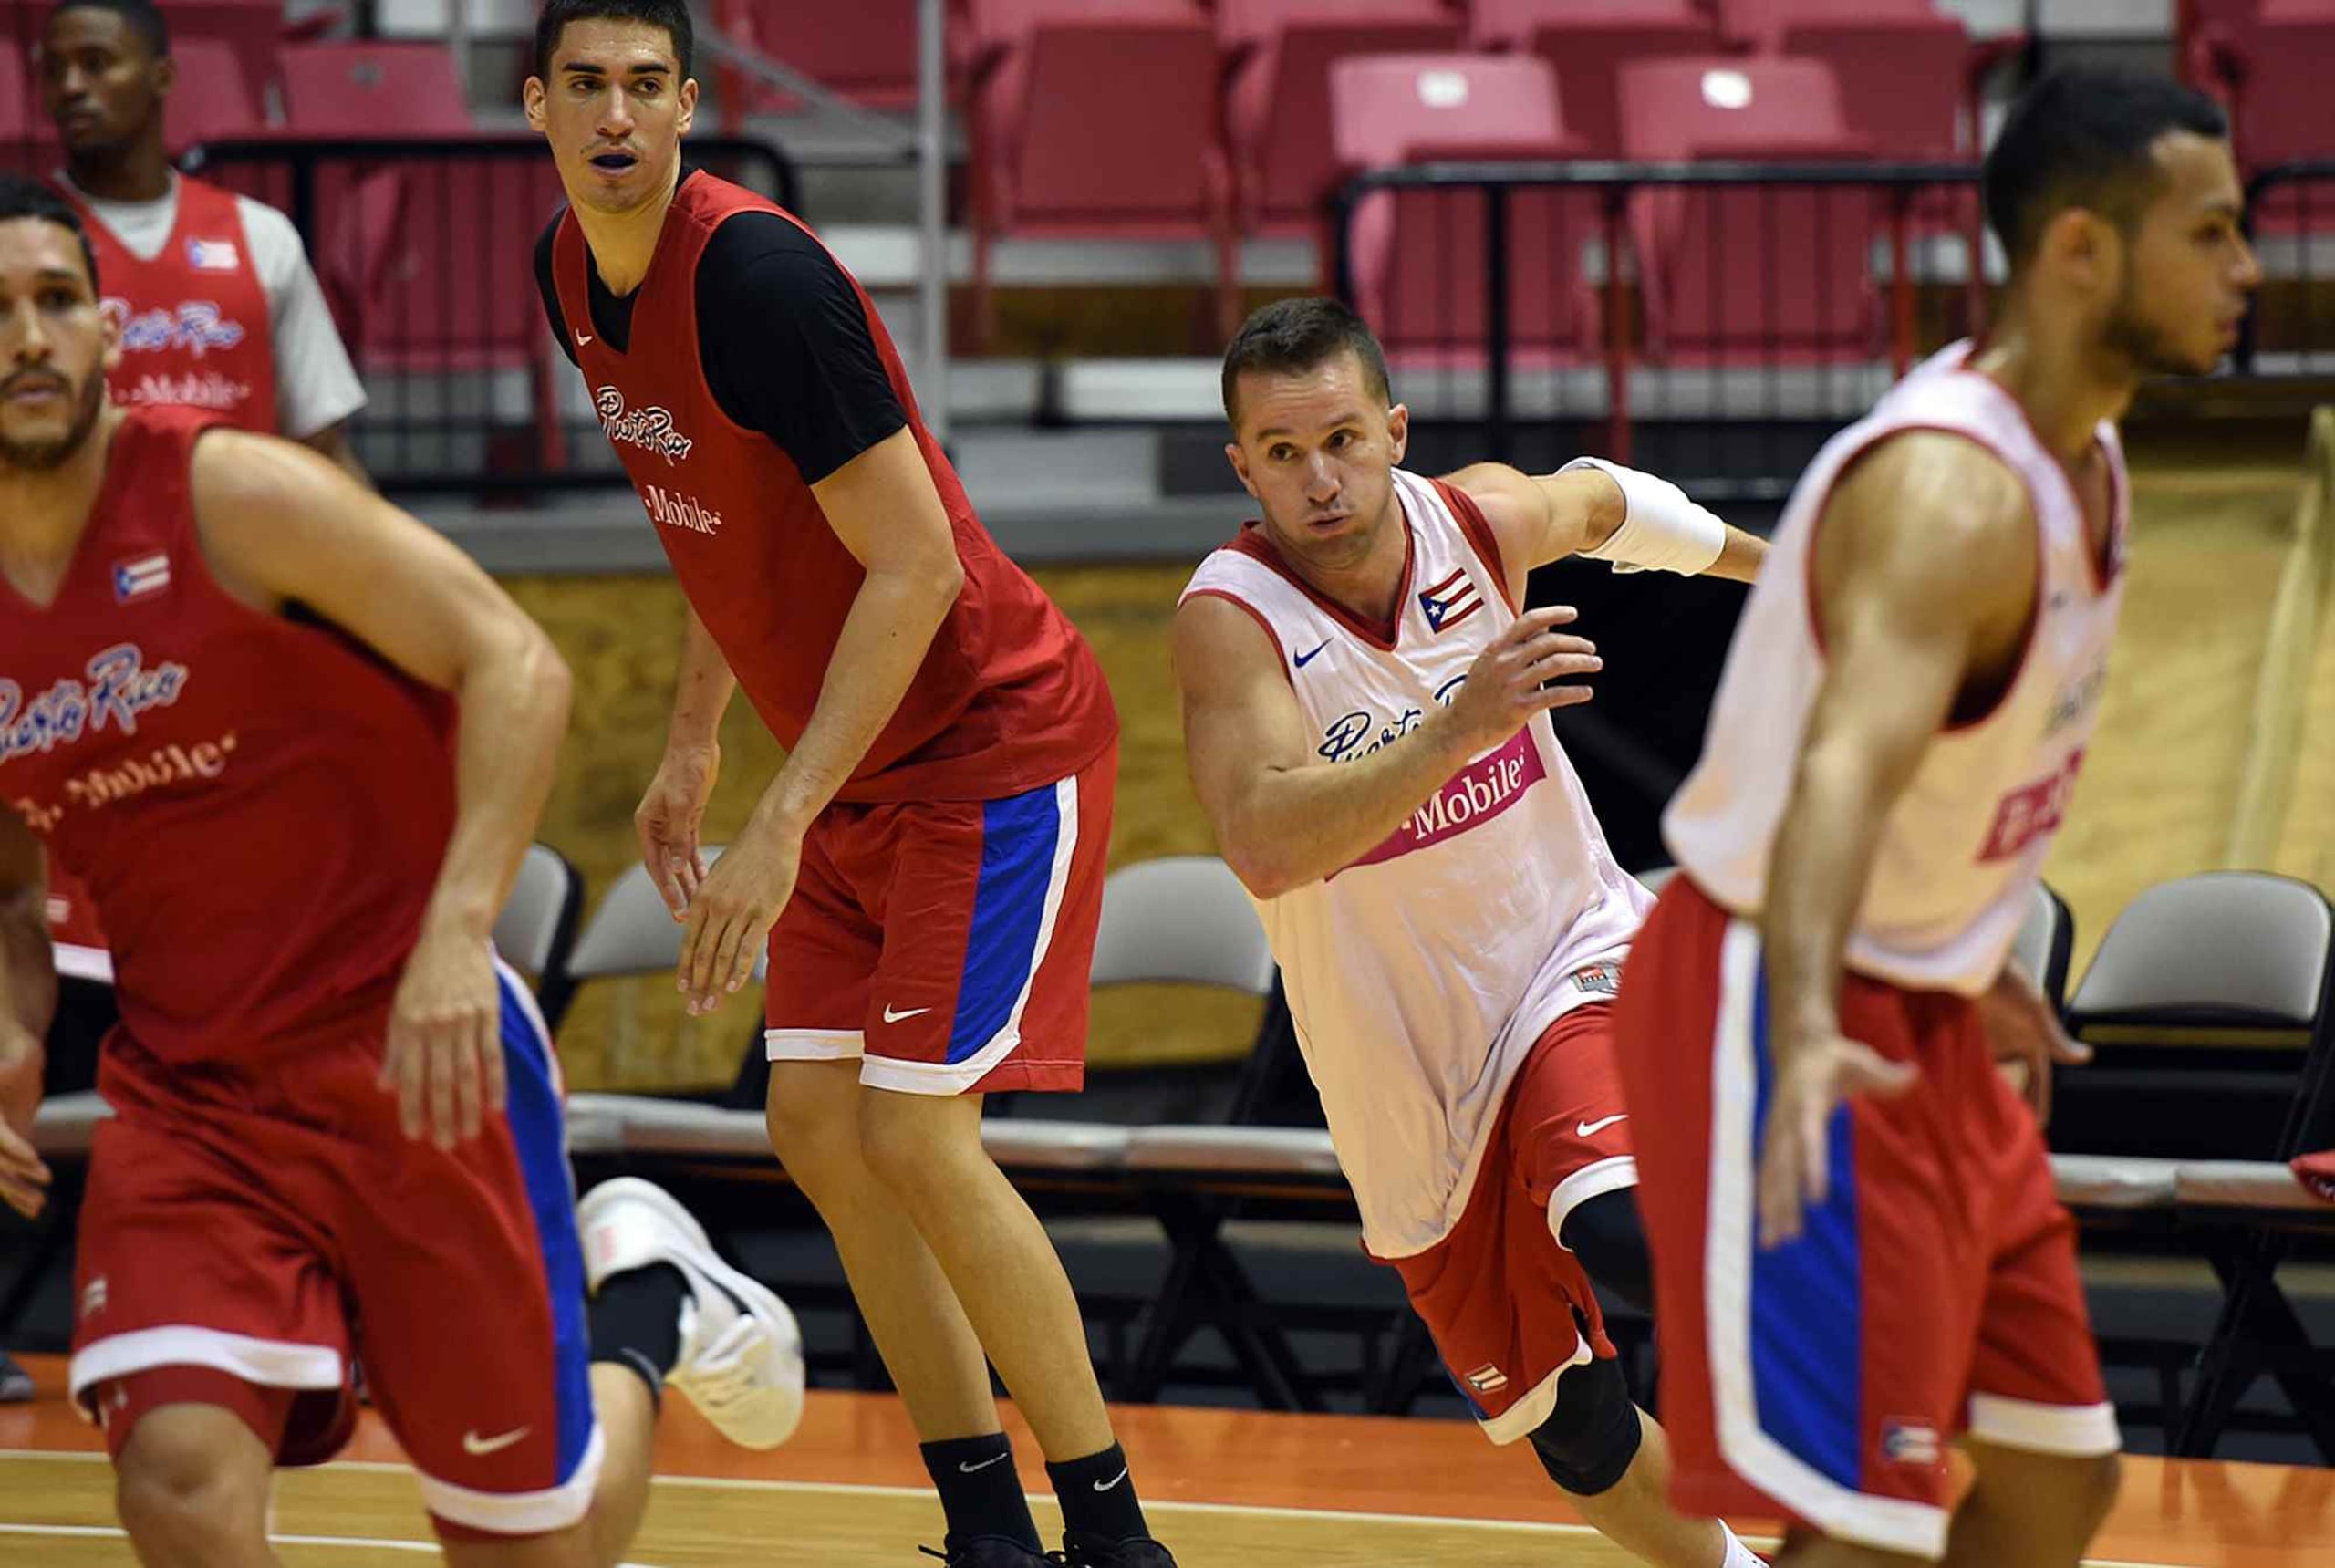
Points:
[(1662, 530), (316, 386)]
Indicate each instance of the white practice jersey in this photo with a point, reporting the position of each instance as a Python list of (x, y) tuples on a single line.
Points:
[(1420, 975), (1961, 850)]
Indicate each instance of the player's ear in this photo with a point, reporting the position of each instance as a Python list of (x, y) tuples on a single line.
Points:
[(533, 97), (1398, 430), (1239, 461), (688, 106), (2083, 247), (166, 75)]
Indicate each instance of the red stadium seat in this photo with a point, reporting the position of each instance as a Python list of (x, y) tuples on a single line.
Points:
[(865, 49), (208, 101), (373, 90), (21, 120), (1419, 259), (1764, 274), (1761, 24), (2279, 112), (1056, 150), (1588, 41), (1277, 107)]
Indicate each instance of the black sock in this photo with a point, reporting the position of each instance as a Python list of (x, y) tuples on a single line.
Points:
[(636, 1323), (979, 1491), (1098, 1498)]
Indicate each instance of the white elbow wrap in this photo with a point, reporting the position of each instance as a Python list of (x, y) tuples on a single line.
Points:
[(1661, 531)]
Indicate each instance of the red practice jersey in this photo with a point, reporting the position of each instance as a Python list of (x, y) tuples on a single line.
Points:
[(1009, 698), (256, 804)]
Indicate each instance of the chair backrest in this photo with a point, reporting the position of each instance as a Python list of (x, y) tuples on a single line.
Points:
[(210, 101), (631, 931), (2281, 109), (2207, 1006), (536, 930), (865, 49), (1761, 24), (1754, 271), (2046, 938), (374, 89), (1180, 919), (1901, 79), (21, 119), (1588, 42)]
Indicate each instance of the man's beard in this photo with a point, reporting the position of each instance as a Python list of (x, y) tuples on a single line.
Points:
[(2144, 346), (41, 456)]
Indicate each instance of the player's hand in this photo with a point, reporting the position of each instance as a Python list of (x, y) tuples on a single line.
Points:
[(1813, 1079), (24, 1179), (444, 1058), (2024, 1029), (1508, 681), (668, 822), (735, 907)]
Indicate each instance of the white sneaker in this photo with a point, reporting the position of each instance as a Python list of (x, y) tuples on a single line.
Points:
[(742, 1351)]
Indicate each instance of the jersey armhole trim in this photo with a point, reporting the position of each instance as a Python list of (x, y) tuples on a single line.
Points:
[(1478, 530), (2034, 609), (1253, 612)]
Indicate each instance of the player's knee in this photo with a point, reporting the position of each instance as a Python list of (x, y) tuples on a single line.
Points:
[(912, 1145), (1604, 1232), (812, 1127), (2093, 1488), (1590, 1440), (184, 1501)]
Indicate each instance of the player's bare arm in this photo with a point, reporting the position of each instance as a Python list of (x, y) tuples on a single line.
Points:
[(884, 506), (672, 811), (1284, 817), (27, 973), (1632, 518), (280, 524), (1924, 570)]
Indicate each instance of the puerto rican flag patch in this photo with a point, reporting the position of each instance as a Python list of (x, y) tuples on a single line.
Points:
[(1450, 601), (211, 256), (1487, 1379), (140, 578)]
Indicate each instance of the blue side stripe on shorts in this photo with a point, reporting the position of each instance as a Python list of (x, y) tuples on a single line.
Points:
[(1807, 1314), (1019, 834), (536, 1132)]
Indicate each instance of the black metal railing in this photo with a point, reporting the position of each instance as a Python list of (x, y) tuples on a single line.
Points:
[(1723, 316), (2290, 217), (425, 248)]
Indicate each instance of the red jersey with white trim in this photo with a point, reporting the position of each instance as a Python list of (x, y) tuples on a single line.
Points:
[(1962, 847), (194, 319), (1420, 976), (1009, 696), (257, 804)]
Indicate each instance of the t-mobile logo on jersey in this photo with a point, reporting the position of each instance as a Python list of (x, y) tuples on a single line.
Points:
[(677, 511), (1476, 792), (2030, 811), (651, 429), (210, 389)]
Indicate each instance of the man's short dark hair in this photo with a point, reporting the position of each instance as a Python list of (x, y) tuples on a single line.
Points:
[(673, 16), (2086, 138), (23, 198), (1291, 337), (142, 17)]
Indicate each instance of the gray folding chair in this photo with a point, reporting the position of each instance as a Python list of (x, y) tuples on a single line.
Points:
[(2046, 941), (537, 930), (1182, 918), (631, 933), (2209, 1006)]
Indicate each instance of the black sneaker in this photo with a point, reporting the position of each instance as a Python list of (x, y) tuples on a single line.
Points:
[(994, 1551), (1087, 1551)]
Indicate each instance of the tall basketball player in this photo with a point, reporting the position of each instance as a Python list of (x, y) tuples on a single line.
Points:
[(927, 867), (295, 744), (1858, 1256), (1365, 712)]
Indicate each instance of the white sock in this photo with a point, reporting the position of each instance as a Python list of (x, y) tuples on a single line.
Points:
[(1738, 1554)]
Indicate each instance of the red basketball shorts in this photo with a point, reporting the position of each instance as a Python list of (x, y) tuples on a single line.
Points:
[(1935, 1293), (945, 945), (1508, 1307), (243, 1241)]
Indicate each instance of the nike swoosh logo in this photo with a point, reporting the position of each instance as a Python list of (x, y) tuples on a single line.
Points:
[(582, 338), (1591, 1129), (478, 1446), (993, 1459), (892, 1017), (1106, 1486), (1305, 659)]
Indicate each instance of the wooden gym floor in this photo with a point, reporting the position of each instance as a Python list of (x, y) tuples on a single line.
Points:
[(1226, 1487)]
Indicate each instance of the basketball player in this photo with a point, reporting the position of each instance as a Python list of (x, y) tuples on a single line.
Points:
[(927, 867), (295, 744), (1365, 719), (211, 292), (1857, 1251)]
